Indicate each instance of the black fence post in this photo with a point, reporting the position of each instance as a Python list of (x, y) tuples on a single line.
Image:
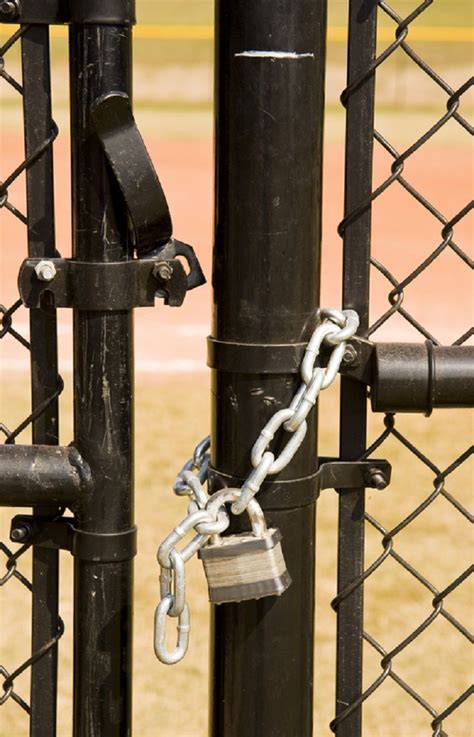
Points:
[(103, 368), (356, 231), (270, 60), (44, 366)]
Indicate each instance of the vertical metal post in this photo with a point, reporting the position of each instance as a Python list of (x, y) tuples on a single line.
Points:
[(44, 365), (270, 61), (357, 233), (100, 59)]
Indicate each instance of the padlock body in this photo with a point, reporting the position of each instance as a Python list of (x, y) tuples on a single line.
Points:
[(244, 566)]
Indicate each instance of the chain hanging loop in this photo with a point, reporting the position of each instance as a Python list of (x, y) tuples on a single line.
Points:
[(207, 516), (183, 628)]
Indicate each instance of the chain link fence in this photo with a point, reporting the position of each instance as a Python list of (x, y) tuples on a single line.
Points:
[(436, 598), (399, 290), (10, 672)]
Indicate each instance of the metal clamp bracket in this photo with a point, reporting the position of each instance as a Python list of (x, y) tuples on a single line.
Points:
[(331, 474), (42, 531), (105, 547), (251, 358), (125, 284), (120, 285), (342, 475), (403, 377), (139, 183), (61, 534)]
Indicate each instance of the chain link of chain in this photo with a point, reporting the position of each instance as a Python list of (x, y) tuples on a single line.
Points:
[(207, 515), (335, 327)]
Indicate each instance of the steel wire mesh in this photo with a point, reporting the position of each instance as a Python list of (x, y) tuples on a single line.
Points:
[(397, 294), (11, 433)]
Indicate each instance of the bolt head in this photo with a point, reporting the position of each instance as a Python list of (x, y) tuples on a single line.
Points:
[(18, 534), (376, 479), (350, 355), (163, 270), (45, 270), (9, 9)]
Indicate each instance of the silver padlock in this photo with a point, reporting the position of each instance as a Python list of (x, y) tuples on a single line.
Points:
[(248, 565)]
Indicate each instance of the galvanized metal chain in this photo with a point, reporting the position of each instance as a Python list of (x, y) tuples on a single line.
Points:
[(207, 515)]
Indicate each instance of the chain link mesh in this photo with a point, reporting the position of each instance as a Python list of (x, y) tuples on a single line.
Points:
[(398, 296), (8, 314), (437, 599)]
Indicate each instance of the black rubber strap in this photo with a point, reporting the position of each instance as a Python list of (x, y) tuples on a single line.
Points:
[(131, 164)]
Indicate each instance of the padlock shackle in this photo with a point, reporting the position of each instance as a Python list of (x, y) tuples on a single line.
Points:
[(253, 509)]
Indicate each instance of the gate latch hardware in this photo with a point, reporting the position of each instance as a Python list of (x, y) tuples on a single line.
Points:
[(48, 533), (340, 475), (139, 183), (412, 377), (119, 285), (157, 270), (62, 534), (332, 473)]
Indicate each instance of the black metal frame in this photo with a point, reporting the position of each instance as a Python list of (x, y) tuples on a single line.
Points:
[(269, 122), (402, 378), (47, 626), (114, 269), (270, 64)]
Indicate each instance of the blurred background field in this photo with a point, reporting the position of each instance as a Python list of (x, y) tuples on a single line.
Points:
[(173, 72), (173, 78)]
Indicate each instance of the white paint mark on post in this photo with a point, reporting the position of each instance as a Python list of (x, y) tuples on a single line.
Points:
[(273, 55)]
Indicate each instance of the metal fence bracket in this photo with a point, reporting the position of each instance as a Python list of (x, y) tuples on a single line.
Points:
[(120, 285), (412, 377), (61, 534), (332, 473), (139, 183), (42, 531), (341, 475)]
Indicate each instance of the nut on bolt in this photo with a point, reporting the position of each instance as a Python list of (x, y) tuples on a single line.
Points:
[(350, 355), (20, 533), (375, 478), (163, 270), (45, 270), (9, 9)]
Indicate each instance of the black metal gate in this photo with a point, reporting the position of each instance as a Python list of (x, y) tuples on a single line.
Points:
[(40, 132), (270, 65)]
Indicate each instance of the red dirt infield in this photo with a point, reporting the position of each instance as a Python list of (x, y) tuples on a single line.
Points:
[(173, 340)]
